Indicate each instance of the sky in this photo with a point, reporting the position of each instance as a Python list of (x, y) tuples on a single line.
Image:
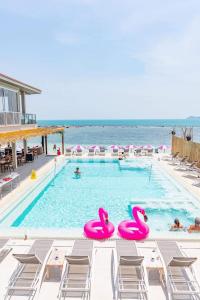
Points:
[(104, 59)]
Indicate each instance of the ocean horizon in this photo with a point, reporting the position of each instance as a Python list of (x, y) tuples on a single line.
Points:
[(120, 131), (188, 122)]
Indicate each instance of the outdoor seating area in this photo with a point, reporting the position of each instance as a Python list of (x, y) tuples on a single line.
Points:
[(115, 150), (78, 269), (6, 157), (10, 180)]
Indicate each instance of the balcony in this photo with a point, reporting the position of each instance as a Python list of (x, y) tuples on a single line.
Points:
[(28, 119), (16, 118)]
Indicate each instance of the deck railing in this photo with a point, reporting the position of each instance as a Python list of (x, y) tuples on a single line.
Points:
[(16, 118), (28, 119)]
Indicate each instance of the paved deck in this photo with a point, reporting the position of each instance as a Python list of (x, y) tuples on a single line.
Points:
[(25, 170), (103, 277)]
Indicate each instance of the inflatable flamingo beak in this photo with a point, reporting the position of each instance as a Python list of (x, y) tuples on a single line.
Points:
[(106, 220), (145, 218)]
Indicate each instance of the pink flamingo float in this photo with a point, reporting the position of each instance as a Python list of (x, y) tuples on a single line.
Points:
[(134, 230), (99, 229)]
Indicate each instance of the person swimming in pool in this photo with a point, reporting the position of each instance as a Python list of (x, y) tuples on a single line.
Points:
[(77, 172), (196, 226), (177, 225)]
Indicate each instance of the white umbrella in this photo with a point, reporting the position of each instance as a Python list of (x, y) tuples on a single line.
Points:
[(78, 147), (148, 147)]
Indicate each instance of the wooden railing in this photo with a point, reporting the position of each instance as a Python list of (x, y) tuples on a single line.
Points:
[(186, 148)]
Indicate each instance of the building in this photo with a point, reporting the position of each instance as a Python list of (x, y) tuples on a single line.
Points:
[(13, 113), (15, 122)]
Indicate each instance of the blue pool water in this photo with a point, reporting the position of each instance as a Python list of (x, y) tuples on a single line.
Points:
[(68, 202)]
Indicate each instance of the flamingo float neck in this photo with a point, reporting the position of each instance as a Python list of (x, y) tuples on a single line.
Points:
[(141, 225), (103, 216)]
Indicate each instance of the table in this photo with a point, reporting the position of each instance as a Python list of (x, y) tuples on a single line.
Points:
[(152, 261), (13, 176), (56, 260)]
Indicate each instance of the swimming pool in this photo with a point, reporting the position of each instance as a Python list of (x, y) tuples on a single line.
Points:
[(68, 202)]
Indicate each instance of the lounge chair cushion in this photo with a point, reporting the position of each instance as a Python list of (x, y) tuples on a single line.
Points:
[(78, 260), (27, 258), (182, 261), (131, 260)]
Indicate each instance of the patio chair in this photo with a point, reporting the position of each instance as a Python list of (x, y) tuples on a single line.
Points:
[(91, 152), (126, 152), (4, 250), (179, 161), (68, 152), (149, 152), (131, 280), (115, 152), (102, 151), (79, 152), (175, 155), (179, 275), (27, 278), (189, 167), (171, 156), (76, 275), (137, 152)]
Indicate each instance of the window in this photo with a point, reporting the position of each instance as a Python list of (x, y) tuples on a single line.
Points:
[(9, 101)]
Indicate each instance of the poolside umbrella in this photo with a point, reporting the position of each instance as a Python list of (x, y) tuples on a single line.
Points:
[(102, 147), (69, 147), (114, 147), (121, 148), (95, 147), (131, 146), (78, 147), (148, 147), (162, 147)]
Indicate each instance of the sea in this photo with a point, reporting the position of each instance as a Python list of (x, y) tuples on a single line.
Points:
[(121, 132)]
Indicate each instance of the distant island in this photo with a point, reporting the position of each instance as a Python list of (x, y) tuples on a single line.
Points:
[(193, 117)]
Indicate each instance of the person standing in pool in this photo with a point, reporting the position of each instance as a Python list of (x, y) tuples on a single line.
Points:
[(177, 225), (77, 172), (196, 226)]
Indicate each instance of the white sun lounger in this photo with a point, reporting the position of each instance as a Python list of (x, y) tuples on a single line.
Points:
[(179, 275), (102, 151), (91, 152), (76, 275), (4, 250), (115, 152), (79, 152), (189, 167), (131, 280), (179, 161), (27, 278), (170, 156), (68, 152)]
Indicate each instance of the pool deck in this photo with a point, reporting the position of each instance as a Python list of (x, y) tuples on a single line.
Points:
[(45, 164), (186, 178), (102, 270), (102, 275)]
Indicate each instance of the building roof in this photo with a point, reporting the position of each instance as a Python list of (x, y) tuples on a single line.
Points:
[(13, 136), (28, 89)]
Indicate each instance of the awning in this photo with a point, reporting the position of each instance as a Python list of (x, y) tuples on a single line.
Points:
[(13, 136)]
